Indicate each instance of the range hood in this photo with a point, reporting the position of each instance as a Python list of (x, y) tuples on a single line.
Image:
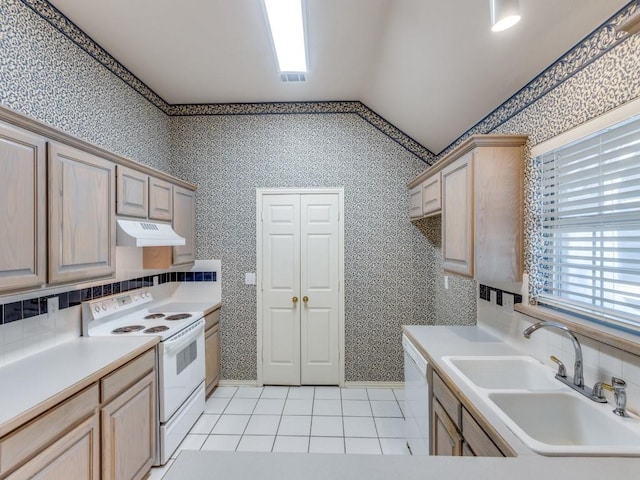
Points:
[(133, 233)]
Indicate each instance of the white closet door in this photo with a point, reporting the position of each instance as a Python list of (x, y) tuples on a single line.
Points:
[(280, 285), (320, 275)]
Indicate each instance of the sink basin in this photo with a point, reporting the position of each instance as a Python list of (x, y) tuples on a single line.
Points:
[(505, 372), (563, 423)]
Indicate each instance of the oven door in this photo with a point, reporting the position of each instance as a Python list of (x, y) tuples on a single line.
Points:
[(182, 367)]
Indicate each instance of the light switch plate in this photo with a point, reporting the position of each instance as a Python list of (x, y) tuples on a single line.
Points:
[(250, 278)]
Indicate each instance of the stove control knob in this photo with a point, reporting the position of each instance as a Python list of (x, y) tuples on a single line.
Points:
[(104, 307), (97, 309)]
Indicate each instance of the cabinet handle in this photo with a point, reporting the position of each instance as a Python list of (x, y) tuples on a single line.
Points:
[(305, 299), (294, 300)]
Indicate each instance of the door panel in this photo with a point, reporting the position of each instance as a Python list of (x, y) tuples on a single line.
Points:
[(320, 275), (300, 245), (280, 283)]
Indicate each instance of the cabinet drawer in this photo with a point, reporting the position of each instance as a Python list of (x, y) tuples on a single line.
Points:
[(477, 438), (447, 399), (40, 432), (125, 376), (212, 319)]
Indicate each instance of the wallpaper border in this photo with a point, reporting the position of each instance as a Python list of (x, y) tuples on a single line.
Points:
[(592, 47), (596, 44)]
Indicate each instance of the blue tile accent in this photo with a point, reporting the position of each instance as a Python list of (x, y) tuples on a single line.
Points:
[(12, 312), (75, 298), (63, 300), (85, 294), (38, 305), (30, 308)]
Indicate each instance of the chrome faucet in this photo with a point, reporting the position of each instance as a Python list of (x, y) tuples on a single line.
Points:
[(578, 378)]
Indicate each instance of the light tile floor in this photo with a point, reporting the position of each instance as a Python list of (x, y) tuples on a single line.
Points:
[(300, 420)]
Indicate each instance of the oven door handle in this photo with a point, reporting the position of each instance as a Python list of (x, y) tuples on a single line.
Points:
[(178, 342)]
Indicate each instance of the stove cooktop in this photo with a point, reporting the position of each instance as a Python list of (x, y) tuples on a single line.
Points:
[(127, 314)]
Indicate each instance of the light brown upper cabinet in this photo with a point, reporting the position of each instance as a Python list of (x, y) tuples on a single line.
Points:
[(415, 202), (143, 196), (183, 224), (23, 216), (160, 200), (82, 227), (481, 192), (425, 197), (132, 192)]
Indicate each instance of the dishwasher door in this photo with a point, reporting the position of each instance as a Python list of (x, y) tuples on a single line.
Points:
[(416, 395)]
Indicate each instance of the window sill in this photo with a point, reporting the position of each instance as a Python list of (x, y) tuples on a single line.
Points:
[(601, 333)]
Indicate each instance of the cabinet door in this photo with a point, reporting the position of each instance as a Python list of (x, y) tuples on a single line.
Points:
[(82, 228), (128, 429), (74, 455), (132, 192), (212, 357), (160, 199), (431, 195), (23, 209), (477, 439), (415, 202), (183, 224), (457, 216), (446, 439)]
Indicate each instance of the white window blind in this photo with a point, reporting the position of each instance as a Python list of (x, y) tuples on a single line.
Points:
[(591, 225)]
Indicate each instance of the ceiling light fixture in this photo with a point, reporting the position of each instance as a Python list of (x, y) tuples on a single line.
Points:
[(504, 14), (286, 24)]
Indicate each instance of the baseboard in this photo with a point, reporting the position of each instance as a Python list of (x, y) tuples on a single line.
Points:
[(253, 383), (237, 383), (374, 384)]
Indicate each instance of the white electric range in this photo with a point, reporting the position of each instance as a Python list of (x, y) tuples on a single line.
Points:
[(180, 354)]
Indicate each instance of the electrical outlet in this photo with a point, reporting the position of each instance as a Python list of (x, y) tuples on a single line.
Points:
[(53, 306)]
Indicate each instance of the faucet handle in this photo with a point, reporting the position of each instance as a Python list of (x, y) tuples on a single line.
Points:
[(562, 371), (618, 387)]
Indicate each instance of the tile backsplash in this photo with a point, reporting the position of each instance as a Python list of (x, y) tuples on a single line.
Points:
[(601, 361), (31, 307)]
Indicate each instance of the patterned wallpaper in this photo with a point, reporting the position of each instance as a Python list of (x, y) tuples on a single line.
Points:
[(47, 77), (53, 72), (386, 257)]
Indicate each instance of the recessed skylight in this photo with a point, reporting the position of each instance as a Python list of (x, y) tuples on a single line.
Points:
[(287, 33)]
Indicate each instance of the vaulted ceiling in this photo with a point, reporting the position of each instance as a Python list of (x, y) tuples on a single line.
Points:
[(433, 68)]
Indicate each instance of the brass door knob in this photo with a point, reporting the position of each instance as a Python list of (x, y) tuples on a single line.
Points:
[(305, 299), (294, 299)]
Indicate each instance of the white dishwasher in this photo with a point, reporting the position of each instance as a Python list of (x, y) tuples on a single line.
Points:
[(416, 399)]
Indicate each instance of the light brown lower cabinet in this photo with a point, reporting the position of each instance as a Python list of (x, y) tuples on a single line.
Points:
[(455, 431), (106, 431), (446, 439), (212, 350), (74, 455), (128, 426)]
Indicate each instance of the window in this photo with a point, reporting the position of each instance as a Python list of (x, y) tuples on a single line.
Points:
[(591, 225)]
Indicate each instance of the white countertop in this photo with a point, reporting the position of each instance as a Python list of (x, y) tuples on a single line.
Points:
[(193, 465), (34, 384)]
